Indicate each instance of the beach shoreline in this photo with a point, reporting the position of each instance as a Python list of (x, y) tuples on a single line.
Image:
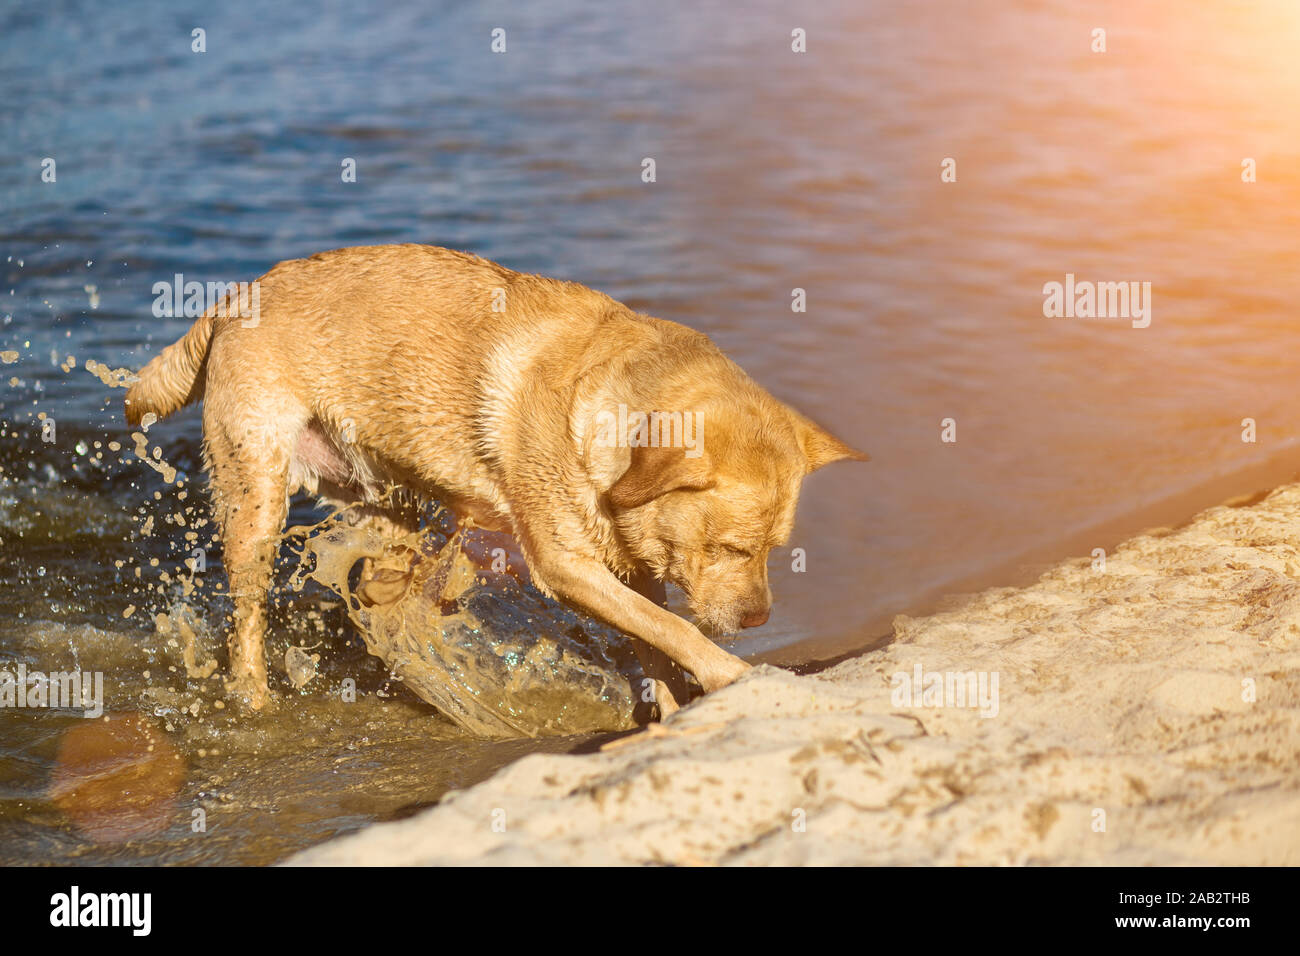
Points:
[(1234, 487), (1140, 711)]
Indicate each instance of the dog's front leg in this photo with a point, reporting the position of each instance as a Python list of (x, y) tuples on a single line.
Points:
[(590, 585), (669, 682)]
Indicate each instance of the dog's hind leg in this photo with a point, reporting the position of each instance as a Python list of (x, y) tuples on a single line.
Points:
[(249, 475), (670, 688)]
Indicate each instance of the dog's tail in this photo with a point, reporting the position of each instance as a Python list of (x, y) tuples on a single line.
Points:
[(173, 379)]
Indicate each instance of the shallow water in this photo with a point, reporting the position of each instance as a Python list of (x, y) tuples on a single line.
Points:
[(775, 171)]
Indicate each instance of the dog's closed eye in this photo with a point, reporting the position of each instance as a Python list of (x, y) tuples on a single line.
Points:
[(719, 552)]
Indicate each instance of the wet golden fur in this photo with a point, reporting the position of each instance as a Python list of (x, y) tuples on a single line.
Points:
[(378, 366)]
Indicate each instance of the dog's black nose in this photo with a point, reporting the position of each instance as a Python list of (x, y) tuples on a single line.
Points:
[(755, 618)]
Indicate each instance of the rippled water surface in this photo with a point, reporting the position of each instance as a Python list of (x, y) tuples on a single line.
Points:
[(775, 171)]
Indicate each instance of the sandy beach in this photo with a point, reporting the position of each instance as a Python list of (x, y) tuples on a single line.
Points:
[(1140, 711)]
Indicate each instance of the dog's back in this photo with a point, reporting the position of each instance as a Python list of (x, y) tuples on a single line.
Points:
[(396, 363)]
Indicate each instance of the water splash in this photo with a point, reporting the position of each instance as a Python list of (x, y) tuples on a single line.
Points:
[(493, 657)]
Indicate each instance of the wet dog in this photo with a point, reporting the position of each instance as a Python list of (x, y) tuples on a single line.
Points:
[(620, 450)]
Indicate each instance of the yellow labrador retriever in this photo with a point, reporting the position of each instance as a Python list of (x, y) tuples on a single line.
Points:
[(615, 447)]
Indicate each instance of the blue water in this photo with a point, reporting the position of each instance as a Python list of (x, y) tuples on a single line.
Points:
[(775, 171), (218, 164)]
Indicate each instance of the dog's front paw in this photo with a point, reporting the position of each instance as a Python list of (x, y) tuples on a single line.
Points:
[(723, 673)]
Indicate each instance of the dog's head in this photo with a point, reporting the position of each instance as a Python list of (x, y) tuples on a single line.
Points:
[(706, 517)]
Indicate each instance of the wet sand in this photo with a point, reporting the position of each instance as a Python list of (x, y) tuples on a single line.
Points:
[(1145, 713)]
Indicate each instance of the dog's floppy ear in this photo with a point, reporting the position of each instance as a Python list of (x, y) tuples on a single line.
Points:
[(655, 471), (820, 447)]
